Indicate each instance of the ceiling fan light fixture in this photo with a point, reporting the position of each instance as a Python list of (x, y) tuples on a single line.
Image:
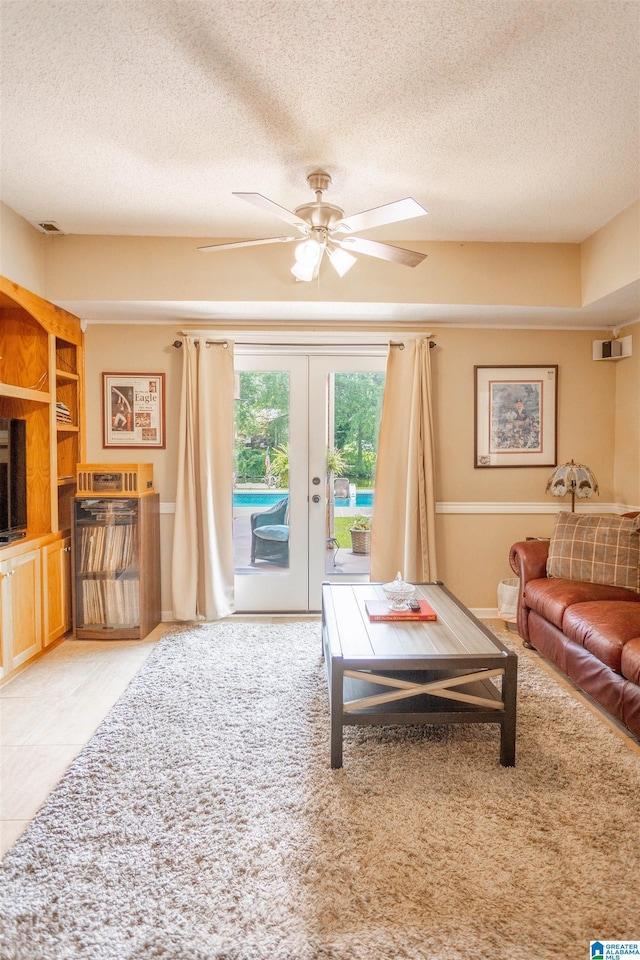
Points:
[(303, 271), (308, 255), (341, 261), (308, 252)]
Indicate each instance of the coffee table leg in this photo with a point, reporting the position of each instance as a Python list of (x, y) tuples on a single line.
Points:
[(508, 728), (337, 694)]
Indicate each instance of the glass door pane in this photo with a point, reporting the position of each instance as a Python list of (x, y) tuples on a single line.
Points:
[(261, 470), (269, 484), (345, 407)]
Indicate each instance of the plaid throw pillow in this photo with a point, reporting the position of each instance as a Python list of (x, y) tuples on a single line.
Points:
[(596, 549)]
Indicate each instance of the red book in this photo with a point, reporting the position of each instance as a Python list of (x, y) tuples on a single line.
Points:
[(380, 610)]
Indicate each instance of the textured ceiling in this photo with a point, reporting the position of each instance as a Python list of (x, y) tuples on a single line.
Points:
[(509, 120)]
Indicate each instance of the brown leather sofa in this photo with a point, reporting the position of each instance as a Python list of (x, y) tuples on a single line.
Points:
[(591, 631)]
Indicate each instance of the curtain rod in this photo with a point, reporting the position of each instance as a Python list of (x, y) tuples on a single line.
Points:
[(244, 343)]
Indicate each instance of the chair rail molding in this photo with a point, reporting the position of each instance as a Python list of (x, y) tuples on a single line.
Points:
[(499, 507), (502, 507)]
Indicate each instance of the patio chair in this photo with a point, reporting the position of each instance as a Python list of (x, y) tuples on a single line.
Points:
[(341, 488), (270, 534)]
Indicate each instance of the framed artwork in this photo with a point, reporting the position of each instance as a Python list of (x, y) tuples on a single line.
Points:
[(516, 416), (133, 410)]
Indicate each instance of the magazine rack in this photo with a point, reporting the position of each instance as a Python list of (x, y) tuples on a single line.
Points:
[(116, 564)]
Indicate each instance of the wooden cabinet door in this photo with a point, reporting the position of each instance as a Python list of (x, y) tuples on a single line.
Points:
[(56, 589), (20, 585), (5, 626)]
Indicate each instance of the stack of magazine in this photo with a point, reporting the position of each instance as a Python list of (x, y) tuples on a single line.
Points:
[(63, 414)]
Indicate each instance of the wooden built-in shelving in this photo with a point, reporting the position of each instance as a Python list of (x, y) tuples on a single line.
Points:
[(41, 366)]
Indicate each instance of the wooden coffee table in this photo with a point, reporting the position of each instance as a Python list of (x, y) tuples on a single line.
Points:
[(395, 672)]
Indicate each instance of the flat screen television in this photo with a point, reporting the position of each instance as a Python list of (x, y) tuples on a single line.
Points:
[(13, 479)]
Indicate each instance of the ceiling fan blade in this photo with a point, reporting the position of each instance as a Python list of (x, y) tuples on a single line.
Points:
[(259, 201), (383, 251), (246, 243), (379, 216)]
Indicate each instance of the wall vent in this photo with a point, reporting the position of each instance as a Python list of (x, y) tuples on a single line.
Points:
[(48, 226)]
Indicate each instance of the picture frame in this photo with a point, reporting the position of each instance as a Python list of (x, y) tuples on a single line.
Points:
[(133, 410), (516, 416)]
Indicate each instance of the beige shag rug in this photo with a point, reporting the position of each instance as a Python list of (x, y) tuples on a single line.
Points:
[(203, 822)]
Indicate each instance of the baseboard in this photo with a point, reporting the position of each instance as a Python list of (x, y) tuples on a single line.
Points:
[(482, 613)]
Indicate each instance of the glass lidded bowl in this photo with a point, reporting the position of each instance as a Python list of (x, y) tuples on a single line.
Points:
[(398, 593)]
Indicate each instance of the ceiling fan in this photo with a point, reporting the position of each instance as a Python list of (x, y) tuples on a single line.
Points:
[(326, 229)]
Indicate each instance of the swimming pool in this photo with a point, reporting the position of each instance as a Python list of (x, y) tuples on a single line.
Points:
[(259, 499)]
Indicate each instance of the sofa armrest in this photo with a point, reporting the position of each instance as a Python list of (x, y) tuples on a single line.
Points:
[(528, 559)]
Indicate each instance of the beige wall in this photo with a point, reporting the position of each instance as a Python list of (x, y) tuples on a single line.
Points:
[(160, 268), (478, 519), (22, 251), (610, 258), (585, 409), (138, 349), (626, 478), (86, 268), (473, 545)]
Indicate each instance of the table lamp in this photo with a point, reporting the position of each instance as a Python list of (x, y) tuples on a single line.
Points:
[(573, 478)]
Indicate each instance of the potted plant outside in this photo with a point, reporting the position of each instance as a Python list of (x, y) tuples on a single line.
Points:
[(336, 463), (360, 531)]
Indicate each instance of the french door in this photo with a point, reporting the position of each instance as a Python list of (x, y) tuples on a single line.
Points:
[(290, 530)]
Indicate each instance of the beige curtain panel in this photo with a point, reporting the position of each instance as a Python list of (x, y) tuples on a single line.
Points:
[(202, 575), (403, 526)]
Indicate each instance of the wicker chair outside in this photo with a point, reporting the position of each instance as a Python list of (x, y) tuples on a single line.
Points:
[(270, 534), (341, 488)]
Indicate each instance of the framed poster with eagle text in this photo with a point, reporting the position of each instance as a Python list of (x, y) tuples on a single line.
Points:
[(133, 410)]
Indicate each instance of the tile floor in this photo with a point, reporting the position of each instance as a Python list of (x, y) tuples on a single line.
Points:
[(50, 710), (53, 707)]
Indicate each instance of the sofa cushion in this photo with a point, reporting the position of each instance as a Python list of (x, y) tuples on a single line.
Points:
[(596, 549), (551, 597), (630, 666), (603, 628)]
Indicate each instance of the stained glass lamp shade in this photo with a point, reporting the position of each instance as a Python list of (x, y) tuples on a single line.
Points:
[(573, 478)]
